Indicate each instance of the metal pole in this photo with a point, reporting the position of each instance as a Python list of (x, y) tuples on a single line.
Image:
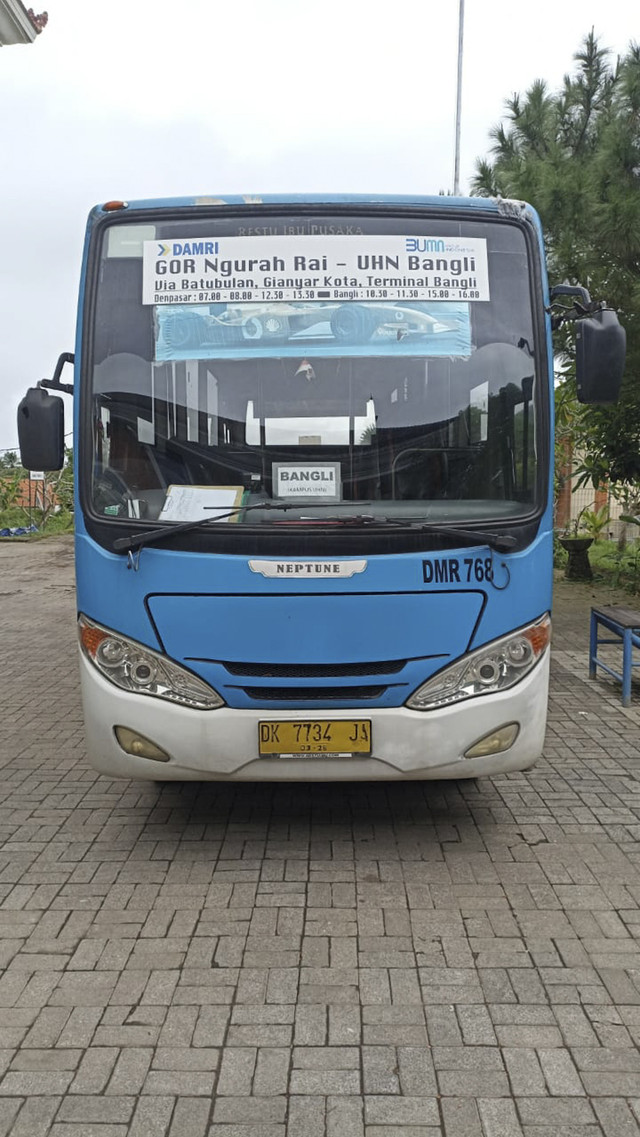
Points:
[(456, 172)]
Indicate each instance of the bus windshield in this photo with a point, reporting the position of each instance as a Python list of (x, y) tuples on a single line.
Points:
[(390, 367)]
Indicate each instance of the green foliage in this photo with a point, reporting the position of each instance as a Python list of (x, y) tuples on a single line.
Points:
[(9, 460), (9, 486), (593, 522), (589, 523), (616, 567), (64, 481), (18, 517), (61, 522), (575, 155), (57, 514)]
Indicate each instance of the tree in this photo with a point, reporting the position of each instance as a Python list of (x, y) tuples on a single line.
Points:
[(62, 481), (575, 155), (20, 498), (9, 460)]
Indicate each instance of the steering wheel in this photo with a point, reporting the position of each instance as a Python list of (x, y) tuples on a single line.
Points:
[(109, 490)]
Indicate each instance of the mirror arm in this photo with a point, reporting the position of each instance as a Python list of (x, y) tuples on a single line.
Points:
[(55, 384), (570, 290), (582, 306)]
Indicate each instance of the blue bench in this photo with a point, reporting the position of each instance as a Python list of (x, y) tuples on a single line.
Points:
[(624, 626)]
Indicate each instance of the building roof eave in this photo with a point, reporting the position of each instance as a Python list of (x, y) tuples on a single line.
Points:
[(17, 25)]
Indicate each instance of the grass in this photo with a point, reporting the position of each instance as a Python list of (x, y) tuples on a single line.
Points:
[(617, 568), (17, 517)]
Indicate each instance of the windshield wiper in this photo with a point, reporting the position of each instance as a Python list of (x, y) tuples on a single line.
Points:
[(501, 542), (139, 540)]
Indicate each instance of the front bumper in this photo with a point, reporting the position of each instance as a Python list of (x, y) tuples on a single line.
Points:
[(222, 745)]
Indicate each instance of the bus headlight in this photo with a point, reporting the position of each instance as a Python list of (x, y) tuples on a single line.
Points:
[(134, 667), (494, 667)]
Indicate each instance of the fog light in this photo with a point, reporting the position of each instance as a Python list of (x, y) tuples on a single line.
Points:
[(495, 742), (141, 747)]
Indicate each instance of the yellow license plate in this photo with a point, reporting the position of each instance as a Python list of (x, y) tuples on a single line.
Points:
[(321, 738)]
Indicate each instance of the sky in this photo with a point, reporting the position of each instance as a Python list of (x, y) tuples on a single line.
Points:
[(153, 98)]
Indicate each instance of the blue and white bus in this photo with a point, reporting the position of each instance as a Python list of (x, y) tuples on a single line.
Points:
[(313, 442)]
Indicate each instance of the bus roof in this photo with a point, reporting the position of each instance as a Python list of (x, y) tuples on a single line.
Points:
[(441, 201)]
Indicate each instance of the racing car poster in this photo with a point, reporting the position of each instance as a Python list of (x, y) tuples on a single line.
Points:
[(282, 328)]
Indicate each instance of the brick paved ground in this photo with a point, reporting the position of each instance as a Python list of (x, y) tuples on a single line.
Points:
[(362, 961)]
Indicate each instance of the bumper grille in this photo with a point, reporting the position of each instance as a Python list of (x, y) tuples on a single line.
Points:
[(308, 694), (313, 670)]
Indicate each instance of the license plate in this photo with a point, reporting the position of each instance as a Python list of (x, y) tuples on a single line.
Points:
[(321, 738)]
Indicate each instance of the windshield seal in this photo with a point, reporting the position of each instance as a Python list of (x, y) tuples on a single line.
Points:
[(399, 535)]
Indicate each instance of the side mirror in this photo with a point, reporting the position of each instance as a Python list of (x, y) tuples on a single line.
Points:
[(600, 354), (41, 430)]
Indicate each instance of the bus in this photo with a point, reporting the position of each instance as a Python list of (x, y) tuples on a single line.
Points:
[(313, 448)]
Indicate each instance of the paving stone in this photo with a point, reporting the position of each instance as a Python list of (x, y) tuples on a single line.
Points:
[(402, 1131), (95, 1110), (34, 1118), (190, 1118), (407, 1111), (327, 1057), (461, 1117), (130, 1071), (610, 1085), (250, 1129), (15, 1084), (555, 1112), (526, 1077), (499, 1118), (182, 1058), (417, 960), (307, 1117), (259, 1035), (179, 1082), (248, 1109), (272, 1071), (95, 1070), (380, 1070), (310, 1025), (236, 1071), (560, 1073), (344, 1026), (344, 1117), (82, 1129), (616, 1117), (325, 1082)]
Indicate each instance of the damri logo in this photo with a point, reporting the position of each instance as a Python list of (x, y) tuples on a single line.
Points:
[(188, 249)]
